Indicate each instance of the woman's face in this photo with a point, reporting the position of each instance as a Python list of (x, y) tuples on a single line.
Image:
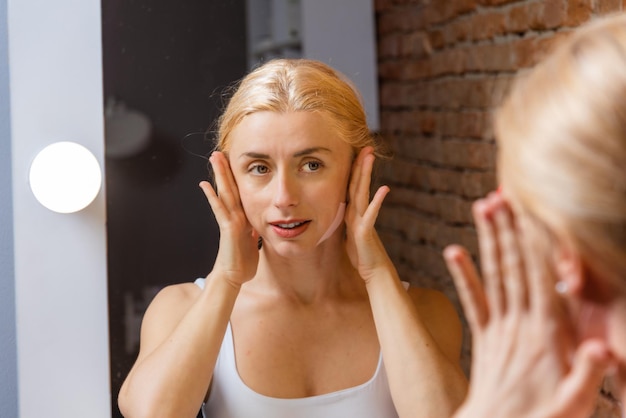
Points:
[(292, 172)]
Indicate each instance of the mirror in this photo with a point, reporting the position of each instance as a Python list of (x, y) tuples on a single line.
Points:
[(165, 69), (165, 65)]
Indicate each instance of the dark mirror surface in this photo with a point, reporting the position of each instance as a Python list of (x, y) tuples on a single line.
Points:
[(166, 65)]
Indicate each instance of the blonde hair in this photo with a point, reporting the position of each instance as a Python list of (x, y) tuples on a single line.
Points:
[(294, 85), (562, 144)]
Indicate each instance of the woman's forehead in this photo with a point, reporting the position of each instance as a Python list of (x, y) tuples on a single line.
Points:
[(285, 133)]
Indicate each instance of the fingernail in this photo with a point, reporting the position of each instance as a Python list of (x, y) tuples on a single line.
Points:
[(481, 207)]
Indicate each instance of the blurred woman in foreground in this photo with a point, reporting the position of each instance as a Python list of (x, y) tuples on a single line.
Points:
[(549, 321)]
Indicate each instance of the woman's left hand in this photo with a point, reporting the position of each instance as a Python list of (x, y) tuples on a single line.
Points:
[(365, 249), (526, 361), (420, 346)]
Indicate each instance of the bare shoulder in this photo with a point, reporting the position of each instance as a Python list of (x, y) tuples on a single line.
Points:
[(164, 313), (177, 296), (441, 318), (432, 304)]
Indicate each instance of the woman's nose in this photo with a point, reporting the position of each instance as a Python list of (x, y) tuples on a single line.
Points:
[(285, 191)]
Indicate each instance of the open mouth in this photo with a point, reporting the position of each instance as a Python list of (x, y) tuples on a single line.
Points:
[(291, 225), (290, 230)]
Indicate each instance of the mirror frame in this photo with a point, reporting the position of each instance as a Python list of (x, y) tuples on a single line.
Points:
[(60, 264)]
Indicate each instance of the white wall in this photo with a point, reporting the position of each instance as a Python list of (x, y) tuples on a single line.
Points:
[(8, 358), (342, 33), (59, 260)]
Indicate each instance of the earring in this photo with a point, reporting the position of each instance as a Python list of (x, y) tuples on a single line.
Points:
[(259, 243), (561, 287)]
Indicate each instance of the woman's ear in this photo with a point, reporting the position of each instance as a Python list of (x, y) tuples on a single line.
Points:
[(569, 268), (580, 280), (586, 293)]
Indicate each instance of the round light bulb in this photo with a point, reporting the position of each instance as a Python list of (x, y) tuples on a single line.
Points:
[(65, 177)]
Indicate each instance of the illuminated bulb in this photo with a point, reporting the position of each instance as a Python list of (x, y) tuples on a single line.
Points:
[(65, 177)]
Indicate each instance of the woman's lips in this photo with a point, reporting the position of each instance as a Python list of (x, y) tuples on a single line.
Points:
[(289, 229)]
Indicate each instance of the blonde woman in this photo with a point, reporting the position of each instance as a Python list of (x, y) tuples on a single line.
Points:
[(550, 321), (303, 314)]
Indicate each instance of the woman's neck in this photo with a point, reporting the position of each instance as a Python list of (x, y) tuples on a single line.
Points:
[(325, 272)]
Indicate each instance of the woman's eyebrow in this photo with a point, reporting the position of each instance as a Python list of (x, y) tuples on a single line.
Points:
[(311, 150), (252, 154), (306, 151)]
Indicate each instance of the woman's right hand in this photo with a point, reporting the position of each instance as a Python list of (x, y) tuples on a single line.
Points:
[(238, 253), (183, 328), (526, 361)]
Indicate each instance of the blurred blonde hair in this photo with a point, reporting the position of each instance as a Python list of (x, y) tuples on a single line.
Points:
[(294, 85), (562, 144)]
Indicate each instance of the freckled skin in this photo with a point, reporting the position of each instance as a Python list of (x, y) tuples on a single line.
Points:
[(289, 167)]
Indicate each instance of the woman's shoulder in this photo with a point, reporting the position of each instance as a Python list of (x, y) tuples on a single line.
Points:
[(171, 303), (433, 306), (176, 295), (431, 301), (440, 317)]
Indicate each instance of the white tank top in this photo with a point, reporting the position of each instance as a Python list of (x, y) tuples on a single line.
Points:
[(230, 397)]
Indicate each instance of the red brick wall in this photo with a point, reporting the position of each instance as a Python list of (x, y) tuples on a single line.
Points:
[(443, 67)]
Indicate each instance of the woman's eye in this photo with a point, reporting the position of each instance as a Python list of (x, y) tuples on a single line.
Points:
[(311, 166), (258, 169)]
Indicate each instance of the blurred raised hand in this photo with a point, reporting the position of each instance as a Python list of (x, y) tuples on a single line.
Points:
[(526, 361)]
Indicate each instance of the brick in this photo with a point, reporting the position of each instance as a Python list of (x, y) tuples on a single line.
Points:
[(382, 5), (607, 6), (464, 124), (578, 12), (418, 69), (488, 25), (402, 172), (437, 12), (390, 46), (386, 23), (415, 44), (468, 154), (392, 95), (452, 209), (395, 20), (394, 122), (449, 61), (495, 2), (547, 14), (409, 225), (419, 150), (420, 263), (419, 122), (489, 57), (391, 70), (554, 14), (465, 93), (417, 18), (437, 38), (462, 235), (476, 184), (522, 17), (458, 154), (458, 31)]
